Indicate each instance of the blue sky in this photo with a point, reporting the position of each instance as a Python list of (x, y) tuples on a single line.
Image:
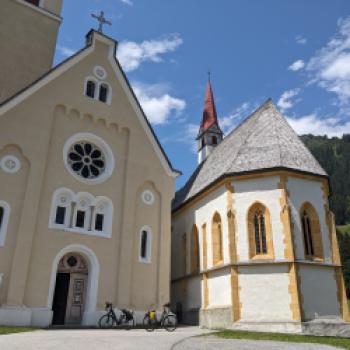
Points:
[(297, 52)]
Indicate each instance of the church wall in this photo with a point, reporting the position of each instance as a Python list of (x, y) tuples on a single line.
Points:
[(319, 292), (41, 129), (13, 194), (246, 193), (219, 288), (300, 191), (264, 293), (37, 41)]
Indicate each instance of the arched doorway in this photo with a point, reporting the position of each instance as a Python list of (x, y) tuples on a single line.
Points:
[(70, 290)]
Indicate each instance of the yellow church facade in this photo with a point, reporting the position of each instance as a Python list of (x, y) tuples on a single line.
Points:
[(86, 188)]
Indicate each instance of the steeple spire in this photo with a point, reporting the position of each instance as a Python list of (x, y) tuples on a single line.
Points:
[(210, 134)]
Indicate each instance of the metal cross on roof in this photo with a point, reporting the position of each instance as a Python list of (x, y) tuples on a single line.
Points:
[(102, 20)]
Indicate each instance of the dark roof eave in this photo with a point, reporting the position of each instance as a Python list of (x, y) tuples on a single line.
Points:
[(265, 170)]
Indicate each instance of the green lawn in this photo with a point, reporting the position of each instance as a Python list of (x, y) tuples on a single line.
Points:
[(9, 330), (291, 338)]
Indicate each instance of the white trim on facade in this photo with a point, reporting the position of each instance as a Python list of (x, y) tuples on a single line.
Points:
[(146, 259), (99, 142), (64, 197), (5, 221), (93, 275)]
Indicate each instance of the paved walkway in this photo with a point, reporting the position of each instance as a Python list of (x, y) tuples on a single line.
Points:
[(181, 339)]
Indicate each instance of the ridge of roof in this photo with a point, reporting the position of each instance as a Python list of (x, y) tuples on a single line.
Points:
[(263, 141)]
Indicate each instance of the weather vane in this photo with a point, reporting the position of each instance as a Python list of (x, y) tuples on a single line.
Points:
[(101, 20)]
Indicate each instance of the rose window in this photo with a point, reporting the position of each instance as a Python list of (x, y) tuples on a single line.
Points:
[(86, 160)]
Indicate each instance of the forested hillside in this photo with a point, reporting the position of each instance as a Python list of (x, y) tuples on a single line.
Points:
[(334, 156)]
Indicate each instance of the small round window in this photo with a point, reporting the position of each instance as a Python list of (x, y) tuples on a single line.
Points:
[(86, 160)]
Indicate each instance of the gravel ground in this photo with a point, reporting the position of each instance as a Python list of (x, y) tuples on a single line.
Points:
[(215, 343), (182, 339)]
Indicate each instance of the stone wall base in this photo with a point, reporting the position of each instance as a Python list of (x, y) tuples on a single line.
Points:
[(220, 318), (23, 316)]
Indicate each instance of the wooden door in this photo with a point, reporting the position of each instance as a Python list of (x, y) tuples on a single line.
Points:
[(76, 298)]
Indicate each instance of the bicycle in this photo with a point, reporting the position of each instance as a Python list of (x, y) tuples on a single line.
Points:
[(107, 321), (168, 320)]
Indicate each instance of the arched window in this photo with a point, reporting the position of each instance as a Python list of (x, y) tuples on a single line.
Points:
[(217, 240), (90, 88), (103, 94), (81, 213), (214, 140), (194, 250), (310, 227), (4, 219), (145, 245), (259, 231)]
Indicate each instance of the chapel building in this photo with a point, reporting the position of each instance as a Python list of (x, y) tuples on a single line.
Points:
[(85, 186), (253, 239)]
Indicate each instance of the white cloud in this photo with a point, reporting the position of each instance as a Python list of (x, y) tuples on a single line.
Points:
[(228, 122), (299, 39), (66, 51), (330, 66), (132, 54), (313, 124), (297, 65), (156, 102), (287, 101), (127, 2)]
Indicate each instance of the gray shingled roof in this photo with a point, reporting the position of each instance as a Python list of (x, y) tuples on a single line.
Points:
[(264, 141)]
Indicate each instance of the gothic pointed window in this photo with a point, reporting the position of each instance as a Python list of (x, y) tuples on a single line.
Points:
[(218, 255), (90, 89), (311, 232), (259, 231), (194, 250)]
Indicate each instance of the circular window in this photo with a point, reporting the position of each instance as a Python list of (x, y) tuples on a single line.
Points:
[(10, 164), (100, 72), (86, 160), (147, 197), (72, 261)]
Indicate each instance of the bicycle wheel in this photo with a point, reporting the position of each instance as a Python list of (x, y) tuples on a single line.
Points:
[(148, 324), (106, 322), (127, 322), (170, 323)]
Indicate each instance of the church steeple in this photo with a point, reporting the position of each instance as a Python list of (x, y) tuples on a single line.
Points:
[(210, 134)]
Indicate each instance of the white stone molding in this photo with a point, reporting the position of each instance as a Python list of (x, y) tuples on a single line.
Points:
[(99, 142), (100, 72), (93, 275), (98, 83), (147, 259), (10, 164), (4, 223), (147, 197), (86, 202)]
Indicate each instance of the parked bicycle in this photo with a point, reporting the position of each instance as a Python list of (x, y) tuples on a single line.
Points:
[(109, 320), (167, 320)]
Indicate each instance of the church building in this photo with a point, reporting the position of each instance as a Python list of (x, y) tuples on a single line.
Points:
[(85, 186), (254, 243)]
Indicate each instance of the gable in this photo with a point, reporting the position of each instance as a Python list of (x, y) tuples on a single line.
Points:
[(94, 40)]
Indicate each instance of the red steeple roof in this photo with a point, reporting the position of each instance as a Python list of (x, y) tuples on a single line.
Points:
[(209, 113)]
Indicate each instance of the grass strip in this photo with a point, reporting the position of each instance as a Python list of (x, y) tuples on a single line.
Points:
[(290, 338), (9, 330)]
